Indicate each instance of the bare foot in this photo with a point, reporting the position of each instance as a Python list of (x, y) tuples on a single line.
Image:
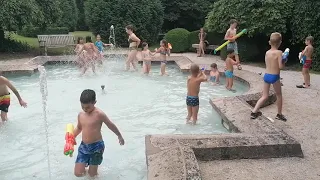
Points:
[(193, 122)]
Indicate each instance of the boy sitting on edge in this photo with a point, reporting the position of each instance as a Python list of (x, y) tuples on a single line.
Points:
[(90, 152), (274, 63), (229, 69), (193, 85), (5, 97), (308, 51)]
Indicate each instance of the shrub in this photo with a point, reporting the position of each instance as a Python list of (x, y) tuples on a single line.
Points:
[(30, 31), (179, 39), (10, 45), (248, 50), (147, 19)]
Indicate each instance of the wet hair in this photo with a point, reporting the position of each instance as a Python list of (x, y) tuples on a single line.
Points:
[(144, 44), (232, 21), (310, 39), (194, 69), (130, 27), (275, 39), (98, 35), (165, 43), (88, 39), (79, 39), (88, 96), (213, 65), (230, 51)]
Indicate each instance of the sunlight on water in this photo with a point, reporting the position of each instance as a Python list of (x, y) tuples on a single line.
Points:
[(137, 104)]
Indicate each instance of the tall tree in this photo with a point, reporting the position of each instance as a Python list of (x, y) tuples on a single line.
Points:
[(69, 14), (81, 24), (50, 12)]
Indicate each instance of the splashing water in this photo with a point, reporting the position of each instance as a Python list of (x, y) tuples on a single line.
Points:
[(112, 37), (44, 93)]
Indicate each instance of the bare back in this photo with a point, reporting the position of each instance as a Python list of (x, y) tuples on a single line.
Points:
[(91, 126), (193, 86), (3, 90), (273, 60), (89, 47), (229, 64), (309, 52)]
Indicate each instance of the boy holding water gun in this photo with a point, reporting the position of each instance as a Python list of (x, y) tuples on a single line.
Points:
[(90, 152), (307, 54), (231, 36)]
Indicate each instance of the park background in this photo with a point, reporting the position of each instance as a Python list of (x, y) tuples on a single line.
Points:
[(178, 21)]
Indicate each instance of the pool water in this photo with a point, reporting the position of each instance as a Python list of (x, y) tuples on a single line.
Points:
[(137, 104)]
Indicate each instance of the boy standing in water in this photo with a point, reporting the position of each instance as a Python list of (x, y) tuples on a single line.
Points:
[(229, 69), (193, 85), (90, 152), (100, 45), (308, 51), (231, 36), (5, 97), (274, 63)]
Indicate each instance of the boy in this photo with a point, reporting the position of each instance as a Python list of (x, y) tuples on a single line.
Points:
[(193, 85), (308, 51), (90, 152), (229, 69), (231, 36), (273, 59), (91, 55), (202, 46), (100, 45), (5, 97)]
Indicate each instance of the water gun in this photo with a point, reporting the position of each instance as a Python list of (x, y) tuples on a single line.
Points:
[(169, 46), (70, 141), (227, 42), (302, 58), (285, 55)]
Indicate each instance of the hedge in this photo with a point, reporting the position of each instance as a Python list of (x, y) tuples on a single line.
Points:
[(179, 39), (30, 31)]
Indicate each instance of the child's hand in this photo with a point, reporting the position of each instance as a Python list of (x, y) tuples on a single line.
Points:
[(22, 103), (121, 140), (156, 49)]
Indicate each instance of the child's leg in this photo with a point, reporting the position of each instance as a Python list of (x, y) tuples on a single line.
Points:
[(163, 69), (227, 83), (80, 169), (189, 108), (144, 68), (306, 76), (4, 116), (203, 48), (230, 83), (128, 61), (277, 89), (195, 110), (265, 95), (148, 68), (93, 171)]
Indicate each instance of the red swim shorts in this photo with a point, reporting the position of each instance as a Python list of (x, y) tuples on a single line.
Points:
[(307, 64)]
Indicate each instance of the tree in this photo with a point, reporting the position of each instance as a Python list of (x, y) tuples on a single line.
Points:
[(188, 14), (145, 15), (81, 24), (69, 14), (50, 13)]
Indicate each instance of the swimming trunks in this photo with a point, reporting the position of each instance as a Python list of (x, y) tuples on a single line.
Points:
[(5, 102), (165, 61), (271, 78), (90, 154), (307, 64), (228, 74), (99, 45), (147, 62), (164, 52), (234, 46), (192, 101), (213, 78)]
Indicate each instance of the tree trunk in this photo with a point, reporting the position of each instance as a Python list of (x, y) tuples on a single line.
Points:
[(1, 35)]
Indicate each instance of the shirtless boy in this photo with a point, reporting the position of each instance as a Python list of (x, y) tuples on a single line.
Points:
[(231, 36), (229, 69), (193, 85), (308, 51), (274, 63), (90, 152), (91, 54), (5, 97)]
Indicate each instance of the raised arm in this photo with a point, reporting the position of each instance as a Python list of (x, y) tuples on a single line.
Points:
[(78, 128), (202, 77), (112, 127), (5, 81)]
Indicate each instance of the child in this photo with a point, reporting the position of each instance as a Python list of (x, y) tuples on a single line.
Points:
[(214, 74), (146, 58), (202, 37), (91, 55), (193, 85), (100, 45), (273, 59), (229, 69), (5, 97), (308, 51), (90, 152), (81, 55), (231, 36), (164, 51)]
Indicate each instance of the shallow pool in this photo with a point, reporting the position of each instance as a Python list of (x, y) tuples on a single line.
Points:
[(137, 104)]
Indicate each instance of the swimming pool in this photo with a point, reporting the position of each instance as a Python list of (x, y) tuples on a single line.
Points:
[(137, 104)]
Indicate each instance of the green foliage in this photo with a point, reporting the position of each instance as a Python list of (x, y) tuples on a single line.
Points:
[(81, 24), (10, 45), (145, 15), (69, 14), (212, 37), (259, 16), (188, 14), (179, 39), (30, 31), (49, 12)]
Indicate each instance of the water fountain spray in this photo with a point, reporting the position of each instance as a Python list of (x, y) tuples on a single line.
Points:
[(112, 37), (44, 93)]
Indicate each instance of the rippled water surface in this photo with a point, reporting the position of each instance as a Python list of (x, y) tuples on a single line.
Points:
[(137, 104)]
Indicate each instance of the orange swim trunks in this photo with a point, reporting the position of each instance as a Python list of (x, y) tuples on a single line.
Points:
[(5, 102)]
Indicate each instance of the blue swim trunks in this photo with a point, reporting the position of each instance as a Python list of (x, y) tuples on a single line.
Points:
[(213, 78), (234, 46), (271, 78), (229, 74), (192, 101), (90, 154)]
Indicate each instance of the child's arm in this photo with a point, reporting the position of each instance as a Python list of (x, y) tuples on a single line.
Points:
[(279, 56), (168, 52), (202, 77), (112, 127), (5, 81), (107, 44), (227, 36), (304, 52), (157, 51), (78, 128)]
